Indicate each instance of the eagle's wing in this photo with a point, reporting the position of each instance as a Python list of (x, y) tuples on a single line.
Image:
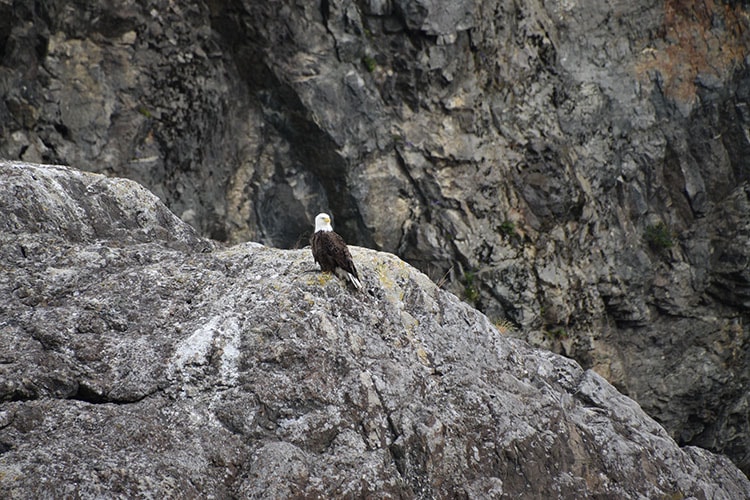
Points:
[(341, 255)]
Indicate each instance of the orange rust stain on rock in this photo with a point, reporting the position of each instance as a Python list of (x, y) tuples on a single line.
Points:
[(697, 37)]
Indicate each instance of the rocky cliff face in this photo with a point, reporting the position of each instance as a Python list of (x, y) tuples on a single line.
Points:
[(139, 359), (577, 169)]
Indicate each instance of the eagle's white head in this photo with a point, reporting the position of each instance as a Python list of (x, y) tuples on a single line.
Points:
[(323, 223)]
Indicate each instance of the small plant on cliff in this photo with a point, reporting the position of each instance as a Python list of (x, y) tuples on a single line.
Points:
[(471, 292), (370, 63), (144, 111), (658, 236), (442, 281), (558, 333), (507, 228), (504, 326)]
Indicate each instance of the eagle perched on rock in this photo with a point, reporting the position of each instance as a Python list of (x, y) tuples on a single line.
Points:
[(330, 251)]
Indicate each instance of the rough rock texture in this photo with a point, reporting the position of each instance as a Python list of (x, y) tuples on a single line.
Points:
[(139, 360), (578, 168)]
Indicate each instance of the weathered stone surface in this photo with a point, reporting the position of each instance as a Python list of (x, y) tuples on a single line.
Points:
[(576, 168), (141, 360)]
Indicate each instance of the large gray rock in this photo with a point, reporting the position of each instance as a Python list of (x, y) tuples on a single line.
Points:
[(139, 360), (576, 168)]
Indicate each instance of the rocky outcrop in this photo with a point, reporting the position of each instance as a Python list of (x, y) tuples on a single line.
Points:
[(139, 359), (576, 170)]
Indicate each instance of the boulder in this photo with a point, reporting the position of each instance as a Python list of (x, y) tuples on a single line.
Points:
[(141, 360)]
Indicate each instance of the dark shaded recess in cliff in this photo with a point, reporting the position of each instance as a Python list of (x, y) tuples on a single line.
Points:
[(723, 118), (21, 48), (719, 431), (700, 173), (736, 3), (6, 25), (734, 115), (552, 194), (311, 148)]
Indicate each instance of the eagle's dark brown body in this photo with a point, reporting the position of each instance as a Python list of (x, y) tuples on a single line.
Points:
[(330, 251)]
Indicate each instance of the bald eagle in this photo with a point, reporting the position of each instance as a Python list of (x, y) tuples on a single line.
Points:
[(330, 251)]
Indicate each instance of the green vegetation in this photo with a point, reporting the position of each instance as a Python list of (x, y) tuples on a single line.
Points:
[(144, 111), (471, 292), (507, 228), (659, 237), (558, 333), (370, 63)]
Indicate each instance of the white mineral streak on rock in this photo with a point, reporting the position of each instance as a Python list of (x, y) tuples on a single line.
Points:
[(219, 336)]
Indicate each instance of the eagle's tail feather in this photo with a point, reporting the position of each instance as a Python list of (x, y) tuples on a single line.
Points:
[(355, 281), (347, 276)]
